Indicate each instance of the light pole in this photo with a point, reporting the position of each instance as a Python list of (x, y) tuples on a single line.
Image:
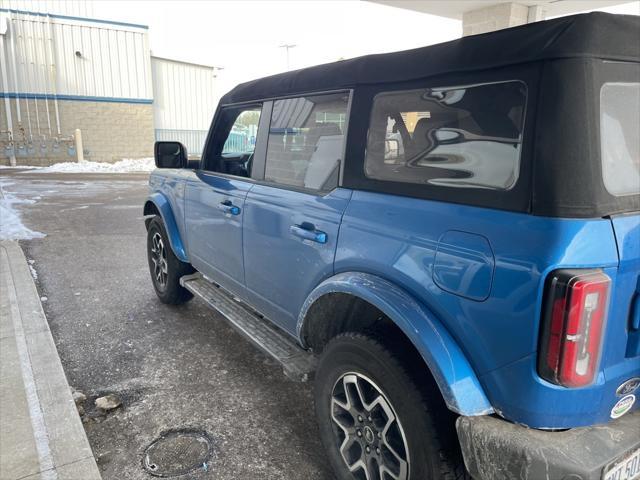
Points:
[(288, 46)]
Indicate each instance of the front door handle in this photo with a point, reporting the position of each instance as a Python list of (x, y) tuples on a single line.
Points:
[(228, 207), (308, 233)]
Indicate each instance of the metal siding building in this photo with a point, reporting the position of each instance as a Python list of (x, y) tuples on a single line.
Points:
[(184, 101), (73, 8), (61, 72), (49, 54)]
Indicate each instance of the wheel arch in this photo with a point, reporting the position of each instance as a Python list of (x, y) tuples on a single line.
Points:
[(452, 372), (158, 204)]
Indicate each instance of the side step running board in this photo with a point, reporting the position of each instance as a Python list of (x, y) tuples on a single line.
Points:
[(298, 364)]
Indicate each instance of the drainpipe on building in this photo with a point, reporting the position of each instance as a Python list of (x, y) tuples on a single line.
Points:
[(45, 76), (14, 67), (7, 103), (34, 68), (23, 65), (54, 75)]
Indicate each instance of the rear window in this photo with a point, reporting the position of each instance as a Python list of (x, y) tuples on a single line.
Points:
[(620, 137), (464, 137), (306, 141)]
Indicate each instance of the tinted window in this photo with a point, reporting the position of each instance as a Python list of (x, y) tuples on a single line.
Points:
[(620, 137), (306, 141), (467, 137), (234, 140)]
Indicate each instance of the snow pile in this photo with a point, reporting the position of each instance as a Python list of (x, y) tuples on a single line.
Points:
[(34, 273), (25, 167), (11, 227), (123, 166)]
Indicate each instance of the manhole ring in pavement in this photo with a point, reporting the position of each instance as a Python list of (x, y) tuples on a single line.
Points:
[(178, 452)]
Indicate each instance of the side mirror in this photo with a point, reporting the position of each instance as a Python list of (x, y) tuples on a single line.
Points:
[(170, 155)]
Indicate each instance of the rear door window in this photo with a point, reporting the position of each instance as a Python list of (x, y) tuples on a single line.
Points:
[(463, 137), (620, 137), (306, 141)]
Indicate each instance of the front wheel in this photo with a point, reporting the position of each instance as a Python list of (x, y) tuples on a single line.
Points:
[(165, 268), (374, 422)]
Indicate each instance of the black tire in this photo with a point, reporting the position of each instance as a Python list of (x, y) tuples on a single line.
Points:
[(432, 452), (166, 284)]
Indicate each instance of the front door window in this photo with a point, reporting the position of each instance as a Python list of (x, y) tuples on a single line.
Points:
[(234, 141)]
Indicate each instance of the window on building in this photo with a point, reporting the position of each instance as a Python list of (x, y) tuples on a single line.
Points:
[(465, 137), (234, 141), (306, 141), (620, 138)]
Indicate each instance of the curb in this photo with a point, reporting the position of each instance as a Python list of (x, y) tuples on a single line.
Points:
[(42, 434)]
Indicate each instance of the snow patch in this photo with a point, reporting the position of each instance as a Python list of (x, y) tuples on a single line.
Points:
[(24, 167), (83, 207), (123, 166), (34, 273), (11, 226)]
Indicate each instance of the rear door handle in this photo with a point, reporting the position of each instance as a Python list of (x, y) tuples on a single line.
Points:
[(228, 207), (308, 233)]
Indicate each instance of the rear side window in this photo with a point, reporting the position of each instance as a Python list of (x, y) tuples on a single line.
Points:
[(306, 141), (620, 137), (464, 137)]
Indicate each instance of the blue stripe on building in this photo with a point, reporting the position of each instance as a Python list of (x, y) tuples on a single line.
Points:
[(79, 98)]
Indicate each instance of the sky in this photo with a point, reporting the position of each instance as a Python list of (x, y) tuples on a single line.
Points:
[(243, 36)]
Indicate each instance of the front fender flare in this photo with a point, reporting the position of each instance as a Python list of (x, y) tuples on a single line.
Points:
[(454, 375), (162, 205)]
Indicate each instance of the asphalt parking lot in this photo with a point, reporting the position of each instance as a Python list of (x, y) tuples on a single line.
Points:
[(173, 367)]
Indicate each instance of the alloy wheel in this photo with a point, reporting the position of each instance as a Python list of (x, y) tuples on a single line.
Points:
[(368, 432), (159, 259)]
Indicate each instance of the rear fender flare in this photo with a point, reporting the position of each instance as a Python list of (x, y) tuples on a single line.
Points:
[(162, 205), (453, 373)]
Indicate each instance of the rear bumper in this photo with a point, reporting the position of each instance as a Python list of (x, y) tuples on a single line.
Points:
[(495, 449)]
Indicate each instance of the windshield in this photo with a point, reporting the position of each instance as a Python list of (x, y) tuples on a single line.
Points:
[(620, 137)]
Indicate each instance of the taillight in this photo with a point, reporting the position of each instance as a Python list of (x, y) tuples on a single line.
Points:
[(574, 316)]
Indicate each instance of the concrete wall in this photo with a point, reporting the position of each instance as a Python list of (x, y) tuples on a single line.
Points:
[(111, 131), (494, 17)]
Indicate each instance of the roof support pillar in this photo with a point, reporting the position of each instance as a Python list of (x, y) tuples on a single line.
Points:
[(499, 16)]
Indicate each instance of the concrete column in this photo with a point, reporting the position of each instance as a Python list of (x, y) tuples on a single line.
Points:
[(537, 13), (499, 16)]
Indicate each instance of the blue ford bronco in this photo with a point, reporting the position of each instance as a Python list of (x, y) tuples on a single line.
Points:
[(446, 239)]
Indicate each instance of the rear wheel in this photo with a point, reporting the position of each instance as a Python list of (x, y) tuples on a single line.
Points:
[(164, 266), (374, 422)]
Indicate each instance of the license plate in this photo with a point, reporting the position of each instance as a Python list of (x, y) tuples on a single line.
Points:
[(628, 468)]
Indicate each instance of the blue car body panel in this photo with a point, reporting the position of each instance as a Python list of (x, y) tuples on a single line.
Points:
[(456, 379), (214, 238), (627, 230), (398, 239), (282, 268), (464, 283), (166, 192), (464, 265)]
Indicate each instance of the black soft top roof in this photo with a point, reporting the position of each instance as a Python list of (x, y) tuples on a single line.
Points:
[(597, 35)]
